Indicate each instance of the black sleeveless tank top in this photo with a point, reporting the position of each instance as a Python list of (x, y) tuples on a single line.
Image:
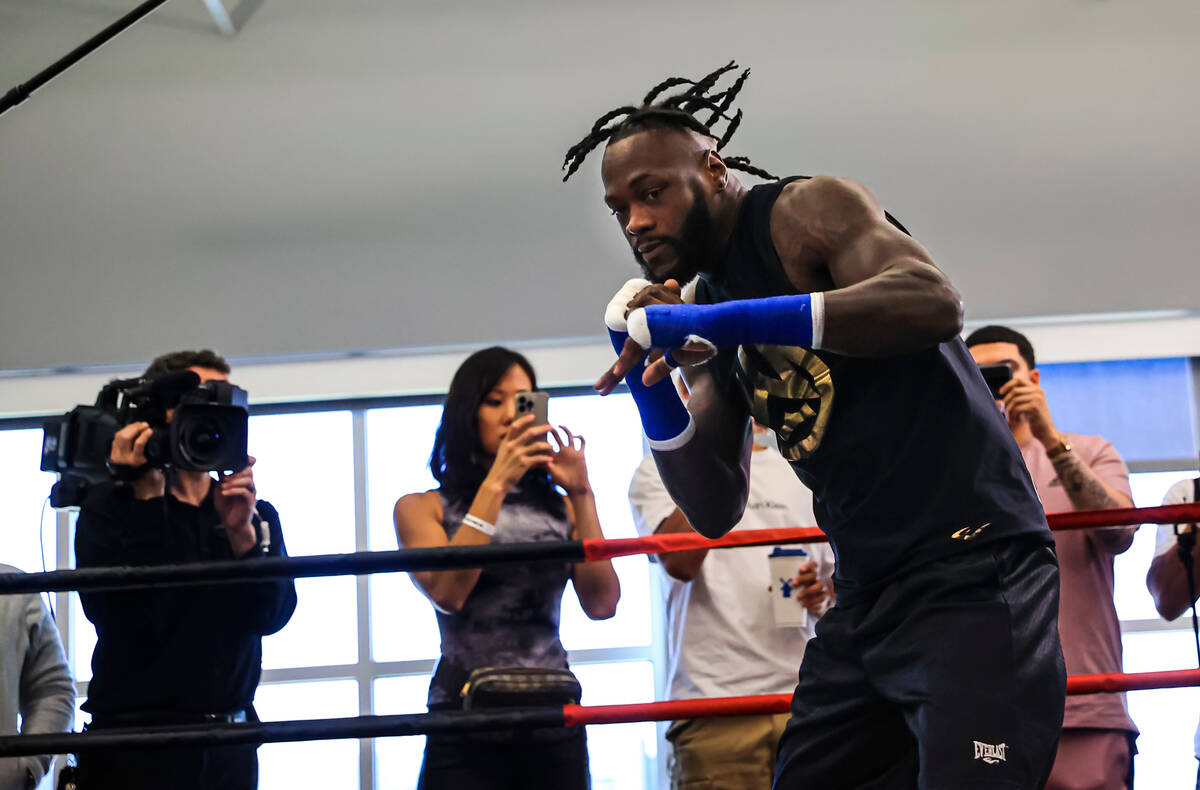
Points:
[(908, 458)]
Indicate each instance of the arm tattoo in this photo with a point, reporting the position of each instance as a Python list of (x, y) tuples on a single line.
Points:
[(1083, 487)]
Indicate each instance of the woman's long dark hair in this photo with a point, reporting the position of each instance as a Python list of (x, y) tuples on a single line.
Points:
[(458, 461)]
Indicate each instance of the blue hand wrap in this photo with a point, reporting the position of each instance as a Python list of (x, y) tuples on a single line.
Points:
[(664, 417), (774, 321)]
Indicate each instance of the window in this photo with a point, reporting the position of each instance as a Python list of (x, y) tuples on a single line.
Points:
[(81, 641), (1145, 407), (398, 760), (24, 490), (305, 468), (330, 765), (621, 756), (398, 445), (612, 429), (1167, 718)]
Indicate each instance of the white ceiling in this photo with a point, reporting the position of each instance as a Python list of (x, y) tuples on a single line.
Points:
[(359, 174)]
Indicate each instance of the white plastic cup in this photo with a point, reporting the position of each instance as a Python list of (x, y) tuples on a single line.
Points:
[(784, 564)]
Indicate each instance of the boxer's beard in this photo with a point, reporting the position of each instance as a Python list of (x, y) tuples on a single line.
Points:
[(696, 248)]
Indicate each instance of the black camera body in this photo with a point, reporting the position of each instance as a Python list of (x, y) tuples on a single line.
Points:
[(207, 431)]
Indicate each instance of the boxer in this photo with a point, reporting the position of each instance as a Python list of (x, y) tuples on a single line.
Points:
[(812, 310)]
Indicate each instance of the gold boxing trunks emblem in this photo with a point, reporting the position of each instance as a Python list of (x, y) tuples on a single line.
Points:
[(791, 392), (969, 533)]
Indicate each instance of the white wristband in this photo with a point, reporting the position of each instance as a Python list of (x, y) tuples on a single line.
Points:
[(477, 523), (816, 306)]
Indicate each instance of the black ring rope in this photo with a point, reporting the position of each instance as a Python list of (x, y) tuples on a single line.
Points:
[(437, 558), (260, 568), (211, 735)]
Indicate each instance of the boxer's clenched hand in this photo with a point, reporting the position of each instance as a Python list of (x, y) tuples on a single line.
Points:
[(632, 354), (669, 292), (691, 353)]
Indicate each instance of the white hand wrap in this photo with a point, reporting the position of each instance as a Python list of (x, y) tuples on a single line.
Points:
[(666, 421), (614, 314)]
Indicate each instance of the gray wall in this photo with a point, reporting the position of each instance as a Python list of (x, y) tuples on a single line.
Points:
[(358, 174)]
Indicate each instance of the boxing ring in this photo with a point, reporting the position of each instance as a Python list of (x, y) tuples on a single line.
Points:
[(451, 557)]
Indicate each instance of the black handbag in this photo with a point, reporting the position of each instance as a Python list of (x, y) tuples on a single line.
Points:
[(520, 687)]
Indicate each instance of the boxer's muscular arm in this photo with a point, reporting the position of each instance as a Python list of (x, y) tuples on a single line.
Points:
[(883, 294), (709, 477), (681, 565)]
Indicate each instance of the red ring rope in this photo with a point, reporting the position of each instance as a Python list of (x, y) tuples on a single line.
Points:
[(462, 721), (779, 703), (600, 549)]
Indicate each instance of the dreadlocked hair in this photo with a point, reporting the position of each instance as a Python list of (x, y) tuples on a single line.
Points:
[(677, 111)]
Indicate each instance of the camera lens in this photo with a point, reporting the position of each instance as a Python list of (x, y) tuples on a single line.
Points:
[(208, 436), (201, 440)]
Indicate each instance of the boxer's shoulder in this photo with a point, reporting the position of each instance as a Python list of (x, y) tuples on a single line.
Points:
[(823, 206)]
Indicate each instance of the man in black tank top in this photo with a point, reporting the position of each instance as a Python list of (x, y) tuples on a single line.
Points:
[(815, 312)]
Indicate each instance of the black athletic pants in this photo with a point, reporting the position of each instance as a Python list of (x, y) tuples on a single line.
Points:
[(948, 678)]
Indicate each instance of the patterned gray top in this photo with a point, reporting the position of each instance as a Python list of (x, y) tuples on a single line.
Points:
[(511, 617)]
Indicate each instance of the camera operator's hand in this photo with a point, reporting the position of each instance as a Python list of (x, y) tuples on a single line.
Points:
[(129, 444), (523, 446), (234, 497), (129, 449)]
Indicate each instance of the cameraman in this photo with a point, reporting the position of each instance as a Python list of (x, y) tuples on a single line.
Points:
[(176, 655)]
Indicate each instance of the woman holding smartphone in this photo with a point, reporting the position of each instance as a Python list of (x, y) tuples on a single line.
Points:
[(499, 478)]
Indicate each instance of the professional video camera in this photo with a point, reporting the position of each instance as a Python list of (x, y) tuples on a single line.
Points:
[(207, 431)]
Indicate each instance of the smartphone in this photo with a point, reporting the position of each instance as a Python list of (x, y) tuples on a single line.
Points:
[(535, 403), (996, 376)]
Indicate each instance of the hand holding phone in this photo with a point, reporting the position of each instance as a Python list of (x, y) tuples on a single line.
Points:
[(524, 444)]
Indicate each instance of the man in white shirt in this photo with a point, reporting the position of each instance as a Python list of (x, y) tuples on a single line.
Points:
[(722, 639), (1167, 579)]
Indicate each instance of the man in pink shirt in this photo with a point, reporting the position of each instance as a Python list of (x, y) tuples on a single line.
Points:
[(1074, 472)]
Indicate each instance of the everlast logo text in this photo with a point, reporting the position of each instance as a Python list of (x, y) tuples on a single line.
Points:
[(990, 754)]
